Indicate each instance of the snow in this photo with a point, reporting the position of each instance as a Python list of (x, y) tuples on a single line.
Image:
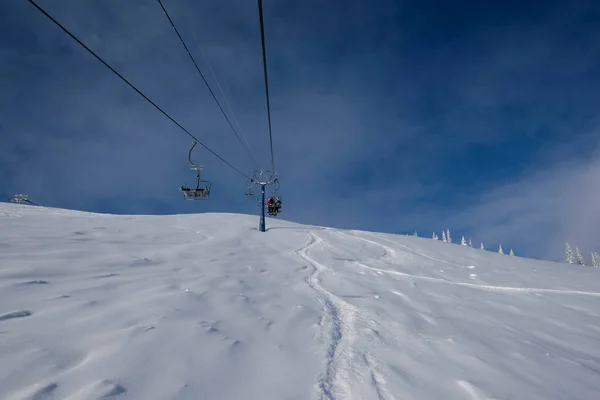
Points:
[(206, 307)]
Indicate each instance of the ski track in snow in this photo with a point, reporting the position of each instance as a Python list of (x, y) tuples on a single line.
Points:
[(377, 379), (346, 320), (340, 314), (390, 255), (478, 286)]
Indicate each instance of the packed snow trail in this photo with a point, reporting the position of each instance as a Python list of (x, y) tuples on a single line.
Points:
[(341, 379), (205, 306), (339, 317), (389, 258)]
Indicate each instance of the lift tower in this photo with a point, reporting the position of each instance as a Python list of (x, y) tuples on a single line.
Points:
[(263, 178)]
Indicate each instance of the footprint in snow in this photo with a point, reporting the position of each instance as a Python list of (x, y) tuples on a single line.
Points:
[(105, 389), (140, 330), (107, 276), (210, 327), (471, 390), (234, 346), (243, 297), (45, 392), (142, 261), (15, 314), (34, 282)]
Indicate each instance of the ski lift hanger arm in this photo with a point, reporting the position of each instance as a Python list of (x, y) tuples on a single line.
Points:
[(194, 166), (264, 177)]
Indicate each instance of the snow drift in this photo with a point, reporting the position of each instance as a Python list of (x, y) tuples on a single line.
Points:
[(206, 307)]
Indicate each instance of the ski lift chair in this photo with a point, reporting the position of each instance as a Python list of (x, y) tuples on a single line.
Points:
[(249, 193), (202, 189)]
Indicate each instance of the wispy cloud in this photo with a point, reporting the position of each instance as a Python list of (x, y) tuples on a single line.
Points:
[(539, 212)]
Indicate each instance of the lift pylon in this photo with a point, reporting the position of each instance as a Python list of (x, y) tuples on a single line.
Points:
[(263, 178)]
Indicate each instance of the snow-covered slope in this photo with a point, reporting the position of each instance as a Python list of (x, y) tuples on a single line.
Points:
[(206, 307)]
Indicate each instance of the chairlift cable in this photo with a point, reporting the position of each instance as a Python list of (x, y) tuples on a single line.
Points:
[(264, 54), (131, 85), (206, 82), (229, 108)]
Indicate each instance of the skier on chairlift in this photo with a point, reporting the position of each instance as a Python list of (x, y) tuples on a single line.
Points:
[(202, 189), (270, 202), (273, 205)]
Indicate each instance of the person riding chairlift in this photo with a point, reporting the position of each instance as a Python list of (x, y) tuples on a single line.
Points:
[(273, 205)]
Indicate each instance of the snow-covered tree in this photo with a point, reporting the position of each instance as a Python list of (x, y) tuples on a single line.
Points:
[(444, 239), (470, 243), (463, 242), (595, 260), (481, 247), (512, 253), (500, 250), (579, 257), (415, 233), (569, 256), (448, 238), (435, 236)]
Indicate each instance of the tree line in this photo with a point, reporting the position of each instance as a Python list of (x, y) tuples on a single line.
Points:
[(575, 257), (571, 257), (447, 238)]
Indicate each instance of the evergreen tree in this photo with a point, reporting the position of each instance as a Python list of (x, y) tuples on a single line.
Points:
[(415, 233), (448, 238), (470, 243), (435, 237), (463, 242), (500, 250), (481, 247), (512, 253), (444, 237), (595, 260), (569, 257), (579, 257)]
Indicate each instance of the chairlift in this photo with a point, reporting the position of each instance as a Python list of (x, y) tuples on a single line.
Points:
[(249, 192), (202, 189)]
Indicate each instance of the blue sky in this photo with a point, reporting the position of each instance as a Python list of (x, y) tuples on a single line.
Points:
[(393, 116)]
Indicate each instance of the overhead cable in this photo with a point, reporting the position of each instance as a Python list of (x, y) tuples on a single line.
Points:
[(264, 54), (230, 109), (206, 83), (132, 86)]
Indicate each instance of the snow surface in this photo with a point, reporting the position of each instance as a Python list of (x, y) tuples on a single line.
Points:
[(206, 307)]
